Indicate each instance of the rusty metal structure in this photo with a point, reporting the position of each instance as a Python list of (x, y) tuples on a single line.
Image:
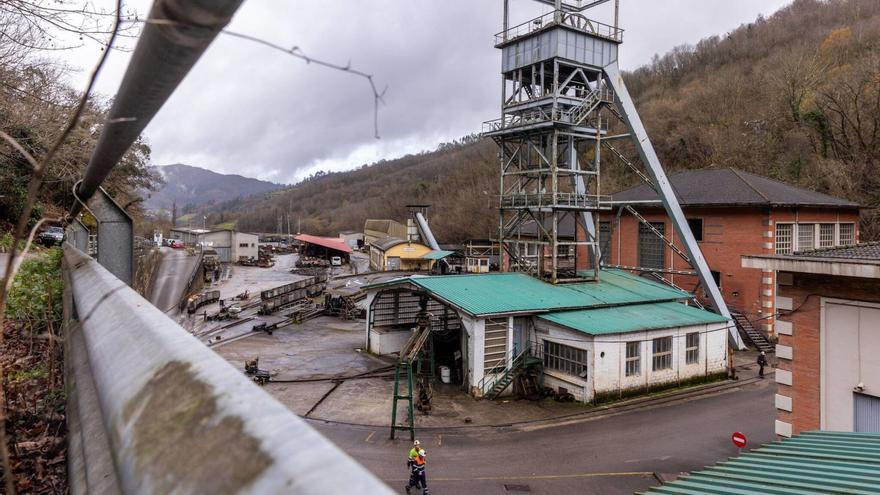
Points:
[(564, 111)]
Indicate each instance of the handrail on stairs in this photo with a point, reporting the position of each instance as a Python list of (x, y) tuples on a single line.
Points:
[(489, 380)]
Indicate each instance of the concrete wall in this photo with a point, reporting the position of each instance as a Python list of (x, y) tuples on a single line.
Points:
[(245, 246), (582, 389), (804, 338), (728, 233)]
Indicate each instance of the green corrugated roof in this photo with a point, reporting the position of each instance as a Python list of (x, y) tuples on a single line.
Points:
[(814, 462), (437, 255), (501, 293), (632, 318)]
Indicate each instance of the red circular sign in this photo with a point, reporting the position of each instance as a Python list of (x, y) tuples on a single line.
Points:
[(739, 439)]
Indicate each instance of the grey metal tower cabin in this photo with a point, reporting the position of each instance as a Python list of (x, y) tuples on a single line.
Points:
[(564, 107)]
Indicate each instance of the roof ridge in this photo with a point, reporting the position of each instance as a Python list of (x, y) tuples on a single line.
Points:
[(753, 188)]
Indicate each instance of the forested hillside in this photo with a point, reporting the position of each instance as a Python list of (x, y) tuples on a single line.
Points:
[(795, 96)]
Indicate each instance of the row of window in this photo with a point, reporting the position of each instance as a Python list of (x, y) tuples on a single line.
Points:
[(792, 237), (789, 237), (573, 361)]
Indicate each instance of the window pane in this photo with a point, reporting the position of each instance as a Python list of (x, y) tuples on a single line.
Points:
[(806, 237), (783, 238), (826, 235), (696, 225), (847, 234), (651, 247)]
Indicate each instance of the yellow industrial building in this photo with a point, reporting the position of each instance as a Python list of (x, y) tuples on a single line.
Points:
[(392, 253)]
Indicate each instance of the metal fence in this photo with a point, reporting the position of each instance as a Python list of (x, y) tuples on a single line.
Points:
[(152, 410)]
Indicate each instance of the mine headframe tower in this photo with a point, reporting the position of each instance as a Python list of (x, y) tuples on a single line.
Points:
[(562, 98)]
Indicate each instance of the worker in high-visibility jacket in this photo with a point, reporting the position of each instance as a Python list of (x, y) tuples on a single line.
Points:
[(416, 463)]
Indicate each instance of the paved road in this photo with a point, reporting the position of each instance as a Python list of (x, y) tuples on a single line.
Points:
[(616, 454), (174, 272)]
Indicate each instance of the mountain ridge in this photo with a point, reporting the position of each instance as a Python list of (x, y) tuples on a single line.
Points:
[(190, 186)]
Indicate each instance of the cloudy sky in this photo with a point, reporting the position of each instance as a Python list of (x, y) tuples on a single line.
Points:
[(249, 110)]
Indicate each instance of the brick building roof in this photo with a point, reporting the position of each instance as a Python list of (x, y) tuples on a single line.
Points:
[(732, 187), (864, 251)]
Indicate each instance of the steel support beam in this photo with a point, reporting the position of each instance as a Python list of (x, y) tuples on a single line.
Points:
[(661, 183)]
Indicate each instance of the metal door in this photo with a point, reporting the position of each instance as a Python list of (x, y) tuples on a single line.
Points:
[(866, 413), (225, 254)]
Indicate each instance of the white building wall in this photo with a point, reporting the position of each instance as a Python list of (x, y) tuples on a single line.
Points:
[(582, 389), (476, 329), (245, 245), (607, 364)]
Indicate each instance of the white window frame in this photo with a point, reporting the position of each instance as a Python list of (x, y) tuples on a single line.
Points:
[(852, 237), (802, 228), (633, 365), (825, 242), (692, 352), (791, 238), (664, 357), (565, 359)]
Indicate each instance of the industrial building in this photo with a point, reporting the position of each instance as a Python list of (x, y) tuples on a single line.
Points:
[(231, 246), (379, 229), (828, 374), (731, 213), (481, 256), (323, 247), (354, 239), (625, 335), (391, 253)]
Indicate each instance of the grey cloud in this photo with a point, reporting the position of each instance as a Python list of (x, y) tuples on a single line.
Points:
[(250, 110)]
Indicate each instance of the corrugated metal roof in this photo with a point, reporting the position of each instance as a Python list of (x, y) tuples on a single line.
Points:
[(815, 462), (386, 243), (437, 255), (732, 187), (632, 318), (502, 293), (334, 243)]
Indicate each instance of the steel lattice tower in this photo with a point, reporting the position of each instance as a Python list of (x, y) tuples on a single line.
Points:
[(561, 94)]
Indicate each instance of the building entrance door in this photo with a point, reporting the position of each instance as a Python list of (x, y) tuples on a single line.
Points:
[(519, 336)]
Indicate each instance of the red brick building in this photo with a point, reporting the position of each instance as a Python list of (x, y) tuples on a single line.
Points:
[(731, 213), (828, 354)]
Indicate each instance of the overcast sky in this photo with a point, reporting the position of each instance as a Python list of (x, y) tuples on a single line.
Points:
[(249, 110)]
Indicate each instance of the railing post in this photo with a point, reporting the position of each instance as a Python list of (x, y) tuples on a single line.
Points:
[(115, 236)]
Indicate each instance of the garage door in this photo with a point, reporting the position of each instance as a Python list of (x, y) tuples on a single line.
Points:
[(867, 413)]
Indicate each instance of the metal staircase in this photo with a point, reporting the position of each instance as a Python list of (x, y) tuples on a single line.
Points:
[(522, 363), (751, 333)]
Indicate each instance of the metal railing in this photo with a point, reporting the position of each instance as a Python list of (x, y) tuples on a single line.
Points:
[(550, 200), (150, 408), (507, 364), (574, 115), (160, 401), (570, 20)]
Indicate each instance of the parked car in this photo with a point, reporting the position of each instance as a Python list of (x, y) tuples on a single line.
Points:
[(51, 236), (176, 244), (336, 261)]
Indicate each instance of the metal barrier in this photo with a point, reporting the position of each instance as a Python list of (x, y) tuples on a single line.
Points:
[(152, 410)]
